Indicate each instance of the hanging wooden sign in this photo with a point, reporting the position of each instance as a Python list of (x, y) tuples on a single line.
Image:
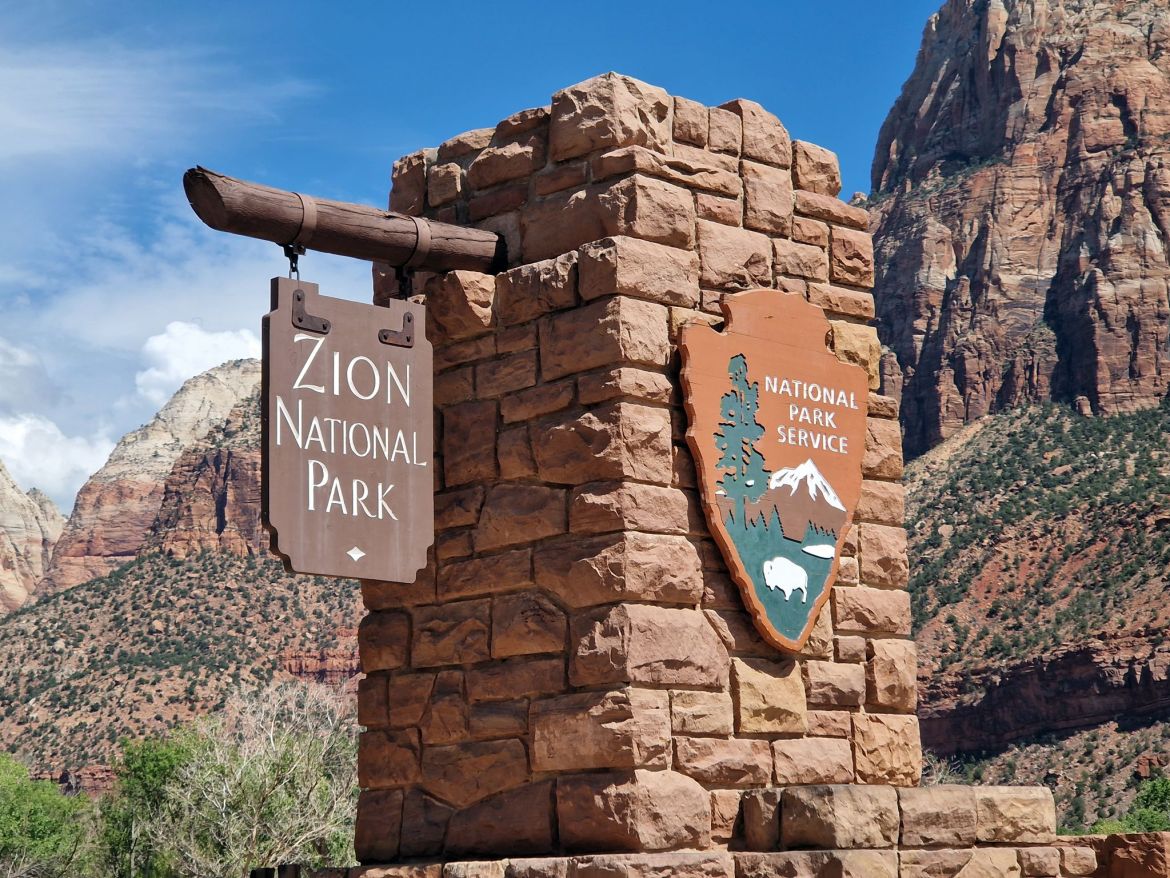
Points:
[(777, 430), (348, 484)]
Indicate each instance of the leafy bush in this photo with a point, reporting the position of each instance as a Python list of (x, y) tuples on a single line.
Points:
[(43, 833)]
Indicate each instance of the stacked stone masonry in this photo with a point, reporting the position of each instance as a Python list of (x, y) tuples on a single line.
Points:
[(575, 672)]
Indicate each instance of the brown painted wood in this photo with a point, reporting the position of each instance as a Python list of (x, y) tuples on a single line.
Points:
[(355, 230), (781, 340), (347, 422)]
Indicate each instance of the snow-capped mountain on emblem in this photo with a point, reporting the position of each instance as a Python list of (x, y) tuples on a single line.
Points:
[(813, 481)]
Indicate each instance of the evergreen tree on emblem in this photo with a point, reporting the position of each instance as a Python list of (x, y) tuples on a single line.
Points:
[(744, 479)]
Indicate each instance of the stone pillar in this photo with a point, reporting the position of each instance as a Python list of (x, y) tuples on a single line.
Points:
[(575, 671)]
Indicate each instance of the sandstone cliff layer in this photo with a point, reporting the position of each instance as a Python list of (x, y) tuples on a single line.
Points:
[(1021, 206), (116, 508), (29, 527)]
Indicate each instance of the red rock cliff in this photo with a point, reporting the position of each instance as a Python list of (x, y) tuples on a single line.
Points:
[(1021, 206)]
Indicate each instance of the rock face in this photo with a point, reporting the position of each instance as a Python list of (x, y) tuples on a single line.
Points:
[(1020, 211), (117, 506), (29, 527), (211, 498)]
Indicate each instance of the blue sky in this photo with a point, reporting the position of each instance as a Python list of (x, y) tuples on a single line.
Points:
[(112, 291)]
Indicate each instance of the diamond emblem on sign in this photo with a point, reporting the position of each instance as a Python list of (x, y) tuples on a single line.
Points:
[(356, 553)]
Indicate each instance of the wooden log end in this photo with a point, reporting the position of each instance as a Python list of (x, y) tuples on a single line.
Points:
[(205, 198)]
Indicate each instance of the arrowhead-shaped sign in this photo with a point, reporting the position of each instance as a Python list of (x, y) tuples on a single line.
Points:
[(777, 430)]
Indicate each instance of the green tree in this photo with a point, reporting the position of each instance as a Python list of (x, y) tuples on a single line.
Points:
[(744, 479), (43, 833), (144, 771)]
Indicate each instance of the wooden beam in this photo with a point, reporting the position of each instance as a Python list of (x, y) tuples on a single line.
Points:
[(355, 230)]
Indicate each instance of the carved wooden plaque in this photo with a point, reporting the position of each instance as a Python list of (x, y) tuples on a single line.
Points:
[(348, 484), (777, 430)]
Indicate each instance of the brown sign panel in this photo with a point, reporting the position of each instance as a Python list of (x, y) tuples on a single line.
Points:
[(348, 435), (777, 430)]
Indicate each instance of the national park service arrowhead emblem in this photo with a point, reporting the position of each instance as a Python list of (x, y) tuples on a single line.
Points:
[(777, 430)]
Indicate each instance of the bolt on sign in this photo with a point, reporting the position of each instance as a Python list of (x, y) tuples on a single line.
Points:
[(777, 430), (348, 433)]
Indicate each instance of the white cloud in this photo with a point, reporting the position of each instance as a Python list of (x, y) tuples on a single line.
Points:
[(183, 350), (38, 454)]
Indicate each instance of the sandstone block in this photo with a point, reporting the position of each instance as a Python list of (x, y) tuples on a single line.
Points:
[(632, 811), (690, 170), (733, 259), (508, 161), (1078, 860), (830, 723), (409, 182), (563, 222), (641, 269), (459, 303), (767, 199), (378, 828), (373, 710), (849, 572), (522, 122), (719, 209), (839, 816), (647, 208), (608, 506), (628, 565), (815, 168), (424, 825), (840, 302), (690, 122), (871, 611), (639, 643), (724, 131), (769, 696), (515, 822), (850, 648), (881, 502), (464, 144), (452, 634), (818, 864), (475, 869), (457, 508), (812, 761), (498, 719), (516, 678), (514, 454), (516, 514), (444, 184), (469, 447), (892, 675), (858, 344), (507, 571), (408, 696), (734, 626), (883, 406), (694, 712), (851, 257), (882, 550), (529, 291), (526, 624), (557, 178), (883, 449), (938, 816), (1021, 815), (1040, 861), (726, 762), (433, 870), (465, 773), (606, 111), (383, 641), (834, 684), (887, 749), (725, 815), (830, 210), (506, 375), (619, 440), (800, 260), (500, 205), (626, 728), (609, 332), (534, 402), (388, 758), (461, 352), (639, 385), (455, 386), (765, 139), (676, 864), (445, 719), (966, 863), (761, 819)]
